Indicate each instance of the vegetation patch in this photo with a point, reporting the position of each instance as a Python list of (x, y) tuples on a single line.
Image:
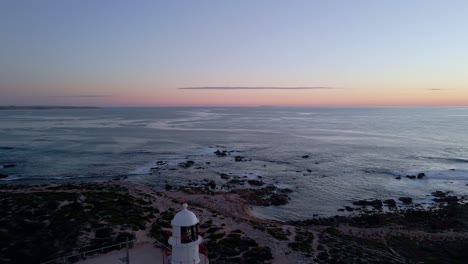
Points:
[(278, 233), (38, 224), (302, 241), (234, 247)]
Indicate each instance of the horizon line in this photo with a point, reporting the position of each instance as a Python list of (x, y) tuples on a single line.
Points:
[(257, 88), (234, 106)]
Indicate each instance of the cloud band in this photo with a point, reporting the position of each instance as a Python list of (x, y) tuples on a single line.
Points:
[(256, 88)]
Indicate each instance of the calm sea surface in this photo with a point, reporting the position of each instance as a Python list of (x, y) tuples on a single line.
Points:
[(354, 153)]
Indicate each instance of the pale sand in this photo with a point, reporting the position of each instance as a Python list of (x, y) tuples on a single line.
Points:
[(140, 254), (226, 210)]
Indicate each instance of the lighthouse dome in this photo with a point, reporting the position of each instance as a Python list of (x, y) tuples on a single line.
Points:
[(185, 217)]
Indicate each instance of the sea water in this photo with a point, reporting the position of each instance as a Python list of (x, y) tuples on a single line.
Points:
[(353, 153)]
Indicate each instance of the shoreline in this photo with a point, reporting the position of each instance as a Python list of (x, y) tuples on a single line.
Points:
[(226, 218), (45, 107)]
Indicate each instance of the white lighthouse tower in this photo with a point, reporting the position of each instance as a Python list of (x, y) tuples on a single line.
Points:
[(185, 240)]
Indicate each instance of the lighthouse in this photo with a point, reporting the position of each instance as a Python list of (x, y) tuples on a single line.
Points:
[(185, 241)]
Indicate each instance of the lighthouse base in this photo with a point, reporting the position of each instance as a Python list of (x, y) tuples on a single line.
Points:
[(203, 260)]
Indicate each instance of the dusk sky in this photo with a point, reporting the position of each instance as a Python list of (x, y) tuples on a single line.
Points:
[(233, 53)]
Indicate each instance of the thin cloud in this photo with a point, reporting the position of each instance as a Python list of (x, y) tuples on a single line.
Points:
[(256, 88), (80, 96), (438, 89)]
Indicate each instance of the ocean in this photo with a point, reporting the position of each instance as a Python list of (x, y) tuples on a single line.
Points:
[(329, 157)]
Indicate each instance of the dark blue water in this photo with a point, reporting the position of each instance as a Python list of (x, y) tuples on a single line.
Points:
[(355, 153)]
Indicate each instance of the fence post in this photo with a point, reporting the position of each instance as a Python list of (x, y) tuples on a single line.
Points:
[(128, 257)]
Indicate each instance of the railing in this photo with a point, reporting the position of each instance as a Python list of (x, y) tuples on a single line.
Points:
[(166, 255), (64, 259)]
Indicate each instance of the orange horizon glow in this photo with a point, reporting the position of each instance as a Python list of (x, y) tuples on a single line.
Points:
[(316, 98), (145, 95)]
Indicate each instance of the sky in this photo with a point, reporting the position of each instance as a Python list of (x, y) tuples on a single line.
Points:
[(234, 53)]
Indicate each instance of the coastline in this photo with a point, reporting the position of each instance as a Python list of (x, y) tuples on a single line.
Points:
[(40, 107), (227, 220), (326, 164)]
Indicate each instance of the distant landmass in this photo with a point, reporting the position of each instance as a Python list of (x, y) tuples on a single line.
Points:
[(13, 107)]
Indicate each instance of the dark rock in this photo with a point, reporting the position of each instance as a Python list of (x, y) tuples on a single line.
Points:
[(398, 178), (207, 163), (411, 176), (255, 182), (224, 176), (221, 153), (309, 170), (285, 190), (374, 203), (3, 176), (238, 158), (279, 199), (421, 175), (447, 199), (236, 181), (264, 197), (390, 203), (168, 187), (406, 200), (9, 165), (212, 184), (305, 156), (439, 194), (187, 164), (349, 208)]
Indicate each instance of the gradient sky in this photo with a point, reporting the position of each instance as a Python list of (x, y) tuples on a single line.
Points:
[(138, 53)]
